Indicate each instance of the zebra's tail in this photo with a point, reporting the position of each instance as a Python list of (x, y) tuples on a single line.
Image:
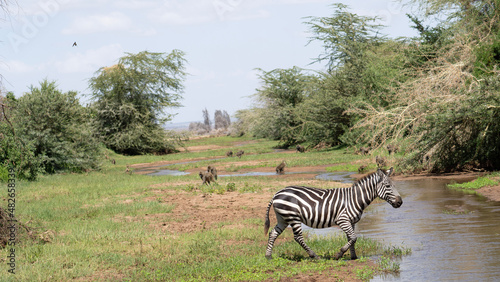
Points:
[(267, 223)]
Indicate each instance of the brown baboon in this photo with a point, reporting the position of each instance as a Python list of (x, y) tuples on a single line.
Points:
[(280, 169), (381, 162), (240, 153), (300, 149), (206, 177), (392, 148), (362, 169), (364, 150), (128, 170), (113, 161), (213, 171), (229, 153)]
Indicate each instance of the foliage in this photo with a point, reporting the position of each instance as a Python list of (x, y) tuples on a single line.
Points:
[(15, 152), (297, 107), (282, 91), (130, 99), (345, 37), (56, 128), (477, 183), (445, 113)]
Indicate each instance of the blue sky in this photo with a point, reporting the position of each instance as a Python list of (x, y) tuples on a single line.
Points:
[(224, 41)]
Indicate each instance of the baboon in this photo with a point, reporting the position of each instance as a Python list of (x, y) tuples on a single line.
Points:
[(392, 148), (229, 153), (213, 171), (364, 150), (280, 169), (381, 162), (113, 161), (206, 177), (300, 149), (128, 171), (240, 153), (362, 169)]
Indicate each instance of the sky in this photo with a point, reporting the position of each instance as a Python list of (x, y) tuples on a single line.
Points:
[(224, 42)]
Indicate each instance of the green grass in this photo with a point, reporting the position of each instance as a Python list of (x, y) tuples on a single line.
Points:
[(478, 183)]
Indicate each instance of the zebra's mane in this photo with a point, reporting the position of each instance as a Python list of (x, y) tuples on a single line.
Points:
[(363, 180)]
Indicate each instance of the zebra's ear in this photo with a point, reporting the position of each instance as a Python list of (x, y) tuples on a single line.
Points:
[(389, 172)]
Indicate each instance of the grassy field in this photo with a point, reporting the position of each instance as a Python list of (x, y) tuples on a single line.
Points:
[(109, 225)]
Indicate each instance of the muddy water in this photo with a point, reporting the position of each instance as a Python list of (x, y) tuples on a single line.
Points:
[(453, 236)]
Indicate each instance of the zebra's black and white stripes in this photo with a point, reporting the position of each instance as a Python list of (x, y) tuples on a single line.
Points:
[(320, 208)]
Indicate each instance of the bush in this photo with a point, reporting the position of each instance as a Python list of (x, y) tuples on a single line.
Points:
[(56, 129)]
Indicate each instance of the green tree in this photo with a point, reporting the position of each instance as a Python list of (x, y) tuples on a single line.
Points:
[(362, 66), (57, 128), (282, 91), (130, 98), (15, 153), (445, 115)]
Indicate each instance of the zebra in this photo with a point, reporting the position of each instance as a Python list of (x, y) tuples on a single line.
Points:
[(320, 208)]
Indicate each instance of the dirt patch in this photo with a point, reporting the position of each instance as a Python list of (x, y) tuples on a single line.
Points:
[(343, 273), (490, 192), (202, 148), (207, 210), (13, 231)]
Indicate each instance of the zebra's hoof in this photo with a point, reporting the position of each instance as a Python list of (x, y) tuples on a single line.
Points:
[(354, 258)]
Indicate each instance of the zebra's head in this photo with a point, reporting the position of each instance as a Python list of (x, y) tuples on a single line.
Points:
[(386, 189)]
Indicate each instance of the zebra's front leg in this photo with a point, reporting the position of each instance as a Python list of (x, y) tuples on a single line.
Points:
[(348, 228), (297, 235)]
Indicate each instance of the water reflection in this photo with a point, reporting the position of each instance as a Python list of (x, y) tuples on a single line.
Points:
[(168, 172), (453, 236)]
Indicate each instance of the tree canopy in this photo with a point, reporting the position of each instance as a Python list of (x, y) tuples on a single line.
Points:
[(435, 95), (130, 99)]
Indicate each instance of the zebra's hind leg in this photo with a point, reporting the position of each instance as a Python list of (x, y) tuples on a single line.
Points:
[(297, 235), (351, 248), (348, 228), (277, 230)]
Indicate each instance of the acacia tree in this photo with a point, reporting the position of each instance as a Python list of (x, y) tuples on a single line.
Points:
[(130, 98), (282, 91)]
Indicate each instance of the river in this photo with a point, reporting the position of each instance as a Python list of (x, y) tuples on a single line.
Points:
[(453, 236)]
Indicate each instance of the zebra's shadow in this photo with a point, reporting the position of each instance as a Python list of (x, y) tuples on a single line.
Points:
[(299, 258)]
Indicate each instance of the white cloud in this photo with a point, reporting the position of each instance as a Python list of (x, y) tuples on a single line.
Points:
[(183, 12), (188, 12), (15, 66), (90, 60), (114, 21)]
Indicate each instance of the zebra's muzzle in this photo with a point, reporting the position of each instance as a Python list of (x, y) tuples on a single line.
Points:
[(398, 202)]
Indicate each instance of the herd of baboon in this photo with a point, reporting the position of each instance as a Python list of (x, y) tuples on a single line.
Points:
[(211, 174)]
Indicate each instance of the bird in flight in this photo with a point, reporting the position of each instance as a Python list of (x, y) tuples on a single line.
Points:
[(74, 44)]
